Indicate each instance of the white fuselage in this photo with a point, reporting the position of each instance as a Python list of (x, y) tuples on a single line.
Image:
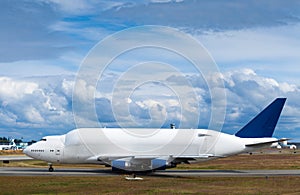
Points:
[(92, 145)]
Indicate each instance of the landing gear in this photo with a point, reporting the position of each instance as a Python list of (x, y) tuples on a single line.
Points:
[(50, 168)]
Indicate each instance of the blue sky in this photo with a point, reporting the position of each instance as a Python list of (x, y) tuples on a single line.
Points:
[(255, 44)]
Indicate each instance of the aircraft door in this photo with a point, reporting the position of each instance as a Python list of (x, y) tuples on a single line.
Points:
[(202, 144), (58, 153)]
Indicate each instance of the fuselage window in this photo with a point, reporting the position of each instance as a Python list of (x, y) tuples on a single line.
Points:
[(37, 150)]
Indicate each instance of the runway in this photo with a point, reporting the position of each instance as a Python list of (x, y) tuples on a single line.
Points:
[(21, 171)]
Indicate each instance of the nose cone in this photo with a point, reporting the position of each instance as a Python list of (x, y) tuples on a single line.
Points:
[(27, 151)]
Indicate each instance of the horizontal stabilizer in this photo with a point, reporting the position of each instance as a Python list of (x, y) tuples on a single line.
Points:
[(263, 125), (266, 143)]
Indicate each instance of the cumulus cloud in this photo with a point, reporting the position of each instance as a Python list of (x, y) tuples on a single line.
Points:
[(33, 103), (248, 93), (45, 104), (10, 88), (263, 37)]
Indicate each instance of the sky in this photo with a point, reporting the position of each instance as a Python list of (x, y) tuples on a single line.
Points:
[(46, 45)]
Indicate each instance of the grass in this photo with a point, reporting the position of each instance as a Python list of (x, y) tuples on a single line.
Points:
[(286, 160), (270, 159), (150, 185), (11, 152), (267, 159)]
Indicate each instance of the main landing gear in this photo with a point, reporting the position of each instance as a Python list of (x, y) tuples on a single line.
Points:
[(51, 169)]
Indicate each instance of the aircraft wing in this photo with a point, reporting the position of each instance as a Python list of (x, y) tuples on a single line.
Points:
[(144, 163), (141, 158)]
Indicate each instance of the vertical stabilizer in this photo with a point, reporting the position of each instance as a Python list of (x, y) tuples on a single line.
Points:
[(263, 125)]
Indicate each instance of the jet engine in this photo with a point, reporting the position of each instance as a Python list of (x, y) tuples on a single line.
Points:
[(141, 165)]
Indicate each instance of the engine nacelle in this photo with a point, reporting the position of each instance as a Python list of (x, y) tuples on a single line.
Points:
[(158, 164), (136, 165), (120, 165)]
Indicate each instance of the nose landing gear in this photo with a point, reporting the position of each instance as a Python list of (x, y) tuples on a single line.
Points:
[(51, 169)]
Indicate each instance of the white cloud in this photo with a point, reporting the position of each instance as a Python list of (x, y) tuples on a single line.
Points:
[(234, 114), (80, 7), (84, 92), (67, 86), (15, 89), (259, 43), (271, 51), (161, 1), (261, 46), (248, 94), (75, 6), (34, 103), (33, 115), (220, 15), (48, 105), (285, 87)]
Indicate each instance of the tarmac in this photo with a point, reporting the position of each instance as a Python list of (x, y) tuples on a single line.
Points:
[(25, 171)]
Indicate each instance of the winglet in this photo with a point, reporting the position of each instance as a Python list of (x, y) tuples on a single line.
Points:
[(263, 125)]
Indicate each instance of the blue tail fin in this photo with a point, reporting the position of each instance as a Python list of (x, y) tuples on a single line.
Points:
[(264, 123)]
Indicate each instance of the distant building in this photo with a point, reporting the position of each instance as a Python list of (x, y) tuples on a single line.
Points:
[(285, 144), (14, 144), (8, 146), (297, 144), (22, 145)]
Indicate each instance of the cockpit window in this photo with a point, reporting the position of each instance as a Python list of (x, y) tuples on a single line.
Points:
[(43, 139)]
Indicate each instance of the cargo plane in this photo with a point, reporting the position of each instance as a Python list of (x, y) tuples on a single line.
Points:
[(145, 149)]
